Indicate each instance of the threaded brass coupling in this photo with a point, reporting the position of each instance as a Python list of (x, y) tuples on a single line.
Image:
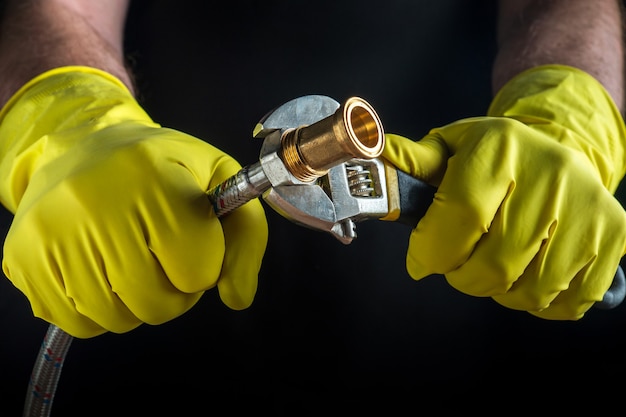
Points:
[(353, 131)]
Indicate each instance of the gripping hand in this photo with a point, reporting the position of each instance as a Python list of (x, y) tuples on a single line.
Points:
[(112, 224), (524, 210)]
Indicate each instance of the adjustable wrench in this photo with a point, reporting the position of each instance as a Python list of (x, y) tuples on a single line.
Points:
[(352, 186)]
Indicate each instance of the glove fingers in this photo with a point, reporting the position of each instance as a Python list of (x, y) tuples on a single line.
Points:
[(44, 286), (501, 255), (522, 223), (69, 283), (152, 265), (572, 303), (554, 289), (551, 290), (586, 288), (471, 193), (183, 233), (227, 252)]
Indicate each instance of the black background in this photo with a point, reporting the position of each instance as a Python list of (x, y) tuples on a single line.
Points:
[(334, 328)]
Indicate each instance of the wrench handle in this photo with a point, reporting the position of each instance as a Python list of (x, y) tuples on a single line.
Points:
[(415, 196)]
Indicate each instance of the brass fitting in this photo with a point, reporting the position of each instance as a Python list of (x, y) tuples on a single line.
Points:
[(353, 131)]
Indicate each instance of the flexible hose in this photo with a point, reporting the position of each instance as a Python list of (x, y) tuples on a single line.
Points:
[(46, 372)]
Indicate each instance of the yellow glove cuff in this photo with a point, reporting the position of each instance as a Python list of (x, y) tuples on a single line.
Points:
[(572, 107), (48, 105)]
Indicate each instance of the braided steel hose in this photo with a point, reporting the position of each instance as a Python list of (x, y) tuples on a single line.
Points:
[(46, 372)]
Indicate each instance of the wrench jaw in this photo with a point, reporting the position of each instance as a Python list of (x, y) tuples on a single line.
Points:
[(335, 198), (350, 192), (306, 205), (300, 111)]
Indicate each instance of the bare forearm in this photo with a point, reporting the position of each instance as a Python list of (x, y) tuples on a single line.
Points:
[(38, 35), (580, 33)]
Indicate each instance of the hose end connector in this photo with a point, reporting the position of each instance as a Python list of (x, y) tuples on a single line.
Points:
[(353, 131)]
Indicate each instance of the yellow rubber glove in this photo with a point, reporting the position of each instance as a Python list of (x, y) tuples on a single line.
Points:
[(112, 226), (524, 211)]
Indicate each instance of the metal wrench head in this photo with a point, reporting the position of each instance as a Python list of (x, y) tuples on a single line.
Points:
[(301, 111), (332, 196)]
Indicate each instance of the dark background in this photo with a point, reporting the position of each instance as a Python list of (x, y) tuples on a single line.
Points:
[(334, 328)]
